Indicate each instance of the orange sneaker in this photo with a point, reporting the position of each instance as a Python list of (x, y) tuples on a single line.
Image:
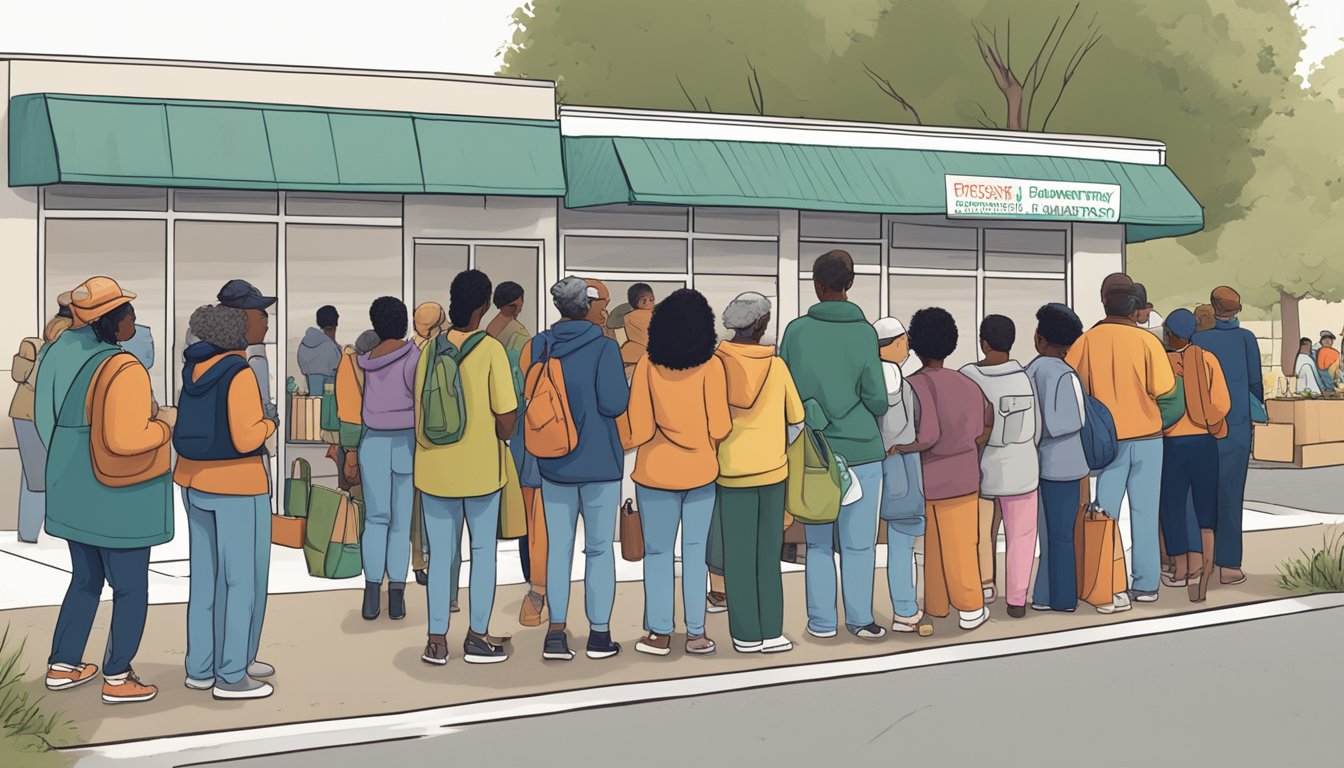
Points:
[(63, 677), (129, 690)]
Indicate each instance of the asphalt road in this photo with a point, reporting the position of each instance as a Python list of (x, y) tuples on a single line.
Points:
[(1257, 693)]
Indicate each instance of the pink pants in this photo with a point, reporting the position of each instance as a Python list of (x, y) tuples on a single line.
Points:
[(1019, 528)]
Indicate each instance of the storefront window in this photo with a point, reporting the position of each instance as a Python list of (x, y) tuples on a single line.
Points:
[(657, 218), (91, 197), (864, 254), (926, 246), (436, 264), (813, 225), (355, 205), (1025, 250), (225, 201), (1018, 300), (909, 293), (737, 221), (625, 254)]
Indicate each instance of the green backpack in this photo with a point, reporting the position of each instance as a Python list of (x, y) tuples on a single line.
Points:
[(443, 406)]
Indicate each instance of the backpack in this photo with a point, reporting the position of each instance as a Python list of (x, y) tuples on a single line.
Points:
[(550, 432), (815, 482), (1100, 446), (1196, 396), (443, 406)]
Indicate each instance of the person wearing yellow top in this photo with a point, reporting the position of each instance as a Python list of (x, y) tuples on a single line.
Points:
[(1126, 368), (460, 482), (225, 482), (765, 410), (678, 415)]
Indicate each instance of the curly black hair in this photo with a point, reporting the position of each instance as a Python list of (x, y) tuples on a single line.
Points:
[(105, 327), (933, 334), (469, 292), (681, 331), (999, 332), (1058, 324), (506, 293), (389, 317), (835, 270)]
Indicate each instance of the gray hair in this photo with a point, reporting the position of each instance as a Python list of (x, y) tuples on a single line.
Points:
[(224, 327), (571, 298), (745, 311), (366, 342)]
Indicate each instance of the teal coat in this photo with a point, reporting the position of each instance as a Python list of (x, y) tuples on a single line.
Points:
[(832, 353)]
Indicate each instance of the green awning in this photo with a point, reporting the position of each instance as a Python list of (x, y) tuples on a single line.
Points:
[(57, 138), (603, 170)]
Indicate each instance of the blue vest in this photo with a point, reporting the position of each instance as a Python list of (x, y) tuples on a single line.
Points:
[(202, 432)]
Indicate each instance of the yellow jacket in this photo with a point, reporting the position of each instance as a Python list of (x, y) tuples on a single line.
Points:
[(676, 419), (1126, 368), (762, 401)]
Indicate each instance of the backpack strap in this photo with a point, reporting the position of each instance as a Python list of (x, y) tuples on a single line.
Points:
[(1201, 383), (468, 344)]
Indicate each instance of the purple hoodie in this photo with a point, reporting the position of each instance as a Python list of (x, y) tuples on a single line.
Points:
[(389, 388)]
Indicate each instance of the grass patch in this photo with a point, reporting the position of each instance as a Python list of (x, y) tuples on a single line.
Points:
[(26, 724), (1320, 570)]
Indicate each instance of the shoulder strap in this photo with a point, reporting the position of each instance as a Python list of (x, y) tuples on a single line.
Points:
[(1194, 356), (84, 374), (470, 343)]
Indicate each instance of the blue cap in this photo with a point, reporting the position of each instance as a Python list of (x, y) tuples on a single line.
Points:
[(1181, 323), (241, 294)]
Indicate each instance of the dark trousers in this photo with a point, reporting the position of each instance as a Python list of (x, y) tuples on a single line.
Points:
[(127, 572), (1234, 458), (1189, 491), (752, 520), (1060, 501)]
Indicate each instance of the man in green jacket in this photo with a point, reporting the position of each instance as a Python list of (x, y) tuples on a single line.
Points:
[(832, 353)]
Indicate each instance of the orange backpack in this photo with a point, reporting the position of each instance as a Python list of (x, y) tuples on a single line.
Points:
[(550, 430), (1196, 397)]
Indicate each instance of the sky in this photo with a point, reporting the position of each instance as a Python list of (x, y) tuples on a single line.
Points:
[(461, 36)]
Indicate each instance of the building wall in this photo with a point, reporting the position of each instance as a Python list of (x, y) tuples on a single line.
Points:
[(19, 312), (1098, 250)]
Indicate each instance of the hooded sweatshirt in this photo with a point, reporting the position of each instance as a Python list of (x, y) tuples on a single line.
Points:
[(595, 385), (248, 430), (898, 423), (762, 402), (318, 354), (676, 419), (389, 388), (1009, 465)]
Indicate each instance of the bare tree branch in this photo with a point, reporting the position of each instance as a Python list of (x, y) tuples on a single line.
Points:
[(987, 118), (1074, 63), (1040, 74), (684, 92), (886, 87), (754, 86)]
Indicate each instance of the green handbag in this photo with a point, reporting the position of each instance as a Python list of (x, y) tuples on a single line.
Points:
[(298, 488), (814, 484), (331, 422), (331, 542)]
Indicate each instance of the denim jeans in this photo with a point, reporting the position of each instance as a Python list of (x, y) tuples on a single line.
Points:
[(1234, 458), (444, 520), (1137, 473), (386, 464), (1189, 492), (903, 510), (127, 572), (230, 551), (662, 513), (1056, 576), (856, 530), (33, 482), (317, 383), (597, 503)]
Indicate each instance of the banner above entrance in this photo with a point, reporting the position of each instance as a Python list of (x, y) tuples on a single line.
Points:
[(980, 197)]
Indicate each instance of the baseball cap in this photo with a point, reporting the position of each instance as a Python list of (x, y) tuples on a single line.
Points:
[(64, 299), (1327, 335), (1114, 281), (94, 298), (1225, 300), (1182, 323), (888, 328), (241, 294)]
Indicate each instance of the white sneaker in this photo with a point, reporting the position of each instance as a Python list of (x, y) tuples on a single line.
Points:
[(973, 619), (989, 595), (1040, 607), (742, 647), (907, 623), (1119, 604), (779, 644), (200, 685), (247, 688), (820, 635)]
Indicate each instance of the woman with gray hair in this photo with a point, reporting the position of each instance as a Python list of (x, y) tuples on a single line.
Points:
[(753, 468)]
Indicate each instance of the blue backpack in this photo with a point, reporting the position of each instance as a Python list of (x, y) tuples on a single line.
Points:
[(1099, 443)]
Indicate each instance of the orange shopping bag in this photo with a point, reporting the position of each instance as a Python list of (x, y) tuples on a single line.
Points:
[(1100, 557)]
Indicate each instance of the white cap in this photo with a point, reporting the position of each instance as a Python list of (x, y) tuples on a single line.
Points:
[(592, 293), (889, 328)]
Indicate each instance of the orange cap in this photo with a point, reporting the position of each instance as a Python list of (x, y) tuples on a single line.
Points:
[(94, 298)]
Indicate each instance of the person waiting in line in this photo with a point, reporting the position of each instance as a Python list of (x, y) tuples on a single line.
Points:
[(902, 477), (1059, 396), (319, 354), (386, 456), (677, 417), (1204, 317), (1306, 369), (1327, 362), (586, 481), (429, 321), (832, 353), (108, 443), (32, 453), (636, 323), (1190, 458), (349, 410), (225, 484), (598, 308), (1009, 467), (460, 482), (951, 431), (240, 294)]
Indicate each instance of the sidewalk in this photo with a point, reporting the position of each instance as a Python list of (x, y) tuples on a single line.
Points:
[(332, 664)]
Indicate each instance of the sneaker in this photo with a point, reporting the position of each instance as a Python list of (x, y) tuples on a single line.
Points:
[(654, 644), (907, 623), (436, 651), (63, 677), (700, 646), (372, 598), (479, 650), (396, 602), (870, 632), (1176, 582), (127, 690), (1146, 597), (534, 607), (779, 644), (973, 619), (990, 595), (452, 607), (821, 635), (716, 602), (742, 646), (422, 578), (260, 669), (557, 647), (1017, 611), (1119, 604), (203, 684), (247, 688), (601, 646)]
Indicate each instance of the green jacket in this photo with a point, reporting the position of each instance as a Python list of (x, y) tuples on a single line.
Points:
[(832, 353)]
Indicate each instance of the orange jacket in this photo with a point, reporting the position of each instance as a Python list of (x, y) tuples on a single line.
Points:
[(249, 428), (676, 419), (1126, 368), (127, 442)]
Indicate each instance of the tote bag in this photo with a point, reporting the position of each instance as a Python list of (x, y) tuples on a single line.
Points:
[(1100, 557)]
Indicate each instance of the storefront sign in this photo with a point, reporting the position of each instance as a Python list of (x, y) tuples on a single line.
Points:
[(980, 197)]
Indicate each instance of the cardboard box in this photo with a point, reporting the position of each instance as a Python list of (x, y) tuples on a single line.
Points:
[(1320, 455), (1273, 442), (1314, 421)]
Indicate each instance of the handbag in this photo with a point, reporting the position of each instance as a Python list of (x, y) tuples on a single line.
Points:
[(512, 512), (1100, 557), (814, 488), (331, 422), (288, 531), (298, 489), (632, 533)]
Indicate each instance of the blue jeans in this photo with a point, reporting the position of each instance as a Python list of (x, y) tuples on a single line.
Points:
[(1137, 472), (597, 503), (903, 510), (230, 551), (856, 529), (1234, 458), (1189, 491), (317, 383), (127, 572), (1056, 575), (661, 513), (444, 519), (386, 465), (33, 482)]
